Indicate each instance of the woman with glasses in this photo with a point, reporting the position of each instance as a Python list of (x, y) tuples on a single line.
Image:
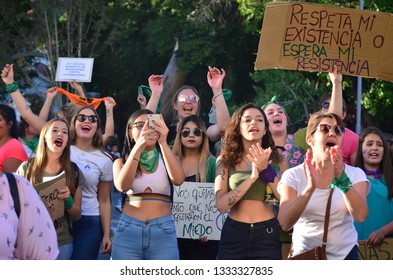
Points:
[(146, 173), (304, 191), (199, 165), (374, 158), (92, 230), (251, 230)]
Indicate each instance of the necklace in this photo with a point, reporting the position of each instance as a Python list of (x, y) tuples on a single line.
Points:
[(249, 165)]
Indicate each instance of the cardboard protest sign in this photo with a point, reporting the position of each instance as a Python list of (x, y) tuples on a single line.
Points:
[(74, 69), (314, 37), (195, 213), (384, 251), (49, 191)]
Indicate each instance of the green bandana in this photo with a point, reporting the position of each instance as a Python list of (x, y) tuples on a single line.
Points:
[(149, 160), (31, 144)]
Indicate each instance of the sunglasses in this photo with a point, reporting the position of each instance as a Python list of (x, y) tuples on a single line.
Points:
[(186, 132), (325, 104), (184, 98), (137, 125), (82, 118), (325, 128)]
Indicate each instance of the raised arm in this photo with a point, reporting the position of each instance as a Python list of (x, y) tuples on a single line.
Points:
[(156, 85), (215, 79), (78, 88), (336, 101), (50, 95), (7, 74), (109, 122)]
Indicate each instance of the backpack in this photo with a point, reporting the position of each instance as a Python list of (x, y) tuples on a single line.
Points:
[(14, 192)]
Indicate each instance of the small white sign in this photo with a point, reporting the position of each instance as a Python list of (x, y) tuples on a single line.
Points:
[(195, 213), (74, 69)]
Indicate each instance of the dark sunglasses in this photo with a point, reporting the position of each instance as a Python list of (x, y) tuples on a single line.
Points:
[(137, 125), (186, 132), (325, 128), (184, 98), (325, 104), (82, 118)]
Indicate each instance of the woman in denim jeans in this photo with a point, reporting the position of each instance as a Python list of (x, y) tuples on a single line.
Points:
[(145, 173)]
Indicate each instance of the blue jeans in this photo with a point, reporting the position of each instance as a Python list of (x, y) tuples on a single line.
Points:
[(65, 251), (353, 254), (244, 241), (154, 239), (87, 238)]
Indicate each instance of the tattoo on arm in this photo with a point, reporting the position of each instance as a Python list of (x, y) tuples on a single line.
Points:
[(234, 198), (220, 170), (108, 113)]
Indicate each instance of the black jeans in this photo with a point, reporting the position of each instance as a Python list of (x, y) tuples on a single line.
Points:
[(243, 241)]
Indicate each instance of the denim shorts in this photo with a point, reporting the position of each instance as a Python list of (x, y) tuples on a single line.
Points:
[(244, 241), (154, 239)]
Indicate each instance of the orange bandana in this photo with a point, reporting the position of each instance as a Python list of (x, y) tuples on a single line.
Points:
[(80, 101)]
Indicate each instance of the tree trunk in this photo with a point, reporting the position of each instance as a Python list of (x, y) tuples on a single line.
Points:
[(173, 78)]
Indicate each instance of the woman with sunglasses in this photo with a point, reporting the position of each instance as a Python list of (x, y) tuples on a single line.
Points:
[(87, 151), (52, 158), (192, 148), (146, 173), (251, 230), (305, 189), (374, 158)]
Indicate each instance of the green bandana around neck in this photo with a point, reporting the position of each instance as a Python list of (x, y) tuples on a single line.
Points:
[(149, 160), (32, 144)]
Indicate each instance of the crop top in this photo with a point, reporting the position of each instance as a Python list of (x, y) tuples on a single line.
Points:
[(255, 192), (157, 181)]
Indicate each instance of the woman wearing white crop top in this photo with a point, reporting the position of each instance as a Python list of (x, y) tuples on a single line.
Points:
[(146, 229)]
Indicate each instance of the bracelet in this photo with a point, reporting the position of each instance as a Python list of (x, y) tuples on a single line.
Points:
[(267, 175), (215, 96), (344, 184), (11, 87), (69, 202), (134, 158)]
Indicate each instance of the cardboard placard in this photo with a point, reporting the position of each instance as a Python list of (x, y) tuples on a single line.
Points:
[(74, 69), (49, 191), (195, 213), (315, 37), (384, 251)]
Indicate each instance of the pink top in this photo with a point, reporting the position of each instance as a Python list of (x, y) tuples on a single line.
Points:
[(12, 149), (32, 236), (349, 145)]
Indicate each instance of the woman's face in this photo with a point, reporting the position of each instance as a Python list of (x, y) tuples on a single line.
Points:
[(276, 117), (326, 135), (187, 103), (136, 128), (56, 138), (372, 149), (191, 136), (4, 127), (86, 124), (252, 125)]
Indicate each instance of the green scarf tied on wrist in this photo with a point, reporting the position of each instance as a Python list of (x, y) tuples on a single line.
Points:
[(344, 184), (149, 160)]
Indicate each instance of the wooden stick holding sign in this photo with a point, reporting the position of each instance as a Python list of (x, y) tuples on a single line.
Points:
[(195, 213), (49, 191)]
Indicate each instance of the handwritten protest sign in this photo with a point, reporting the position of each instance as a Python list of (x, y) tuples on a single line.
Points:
[(74, 69), (384, 251), (195, 213), (313, 37), (49, 192)]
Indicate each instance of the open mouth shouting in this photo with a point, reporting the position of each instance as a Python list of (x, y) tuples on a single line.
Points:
[(59, 142), (330, 143)]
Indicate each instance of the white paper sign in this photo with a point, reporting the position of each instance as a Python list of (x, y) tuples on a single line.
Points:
[(74, 69), (195, 213)]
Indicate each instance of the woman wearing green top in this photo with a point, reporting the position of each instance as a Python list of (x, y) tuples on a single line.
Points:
[(251, 230), (199, 165)]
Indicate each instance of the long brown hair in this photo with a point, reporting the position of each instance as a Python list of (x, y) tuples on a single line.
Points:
[(232, 145), (36, 169), (204, 152)]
